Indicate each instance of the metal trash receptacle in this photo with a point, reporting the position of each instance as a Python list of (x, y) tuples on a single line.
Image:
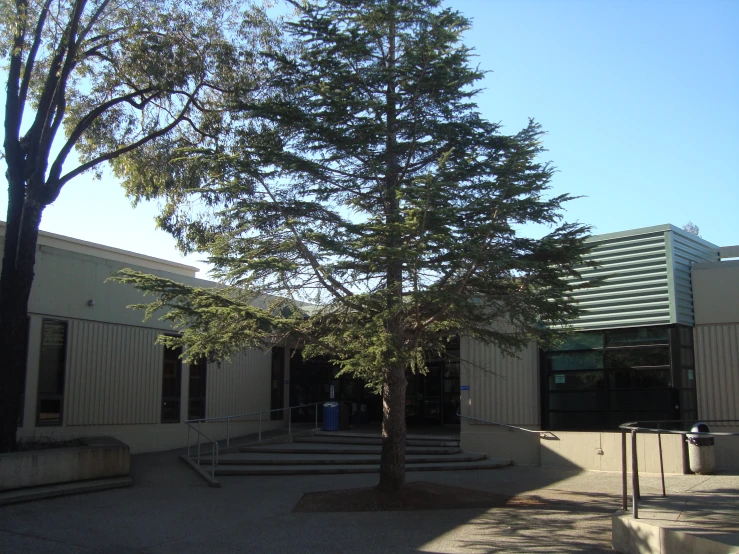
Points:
[(701, 454), (330, 416)]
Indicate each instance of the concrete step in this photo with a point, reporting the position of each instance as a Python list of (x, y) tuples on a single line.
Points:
[(63, 489), (346, 459), (319, 448), (225, 470), (365, 439), (321, 433)]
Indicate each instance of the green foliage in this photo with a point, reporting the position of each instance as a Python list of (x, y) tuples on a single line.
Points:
[(215, 322), (117, 75), (363, 179)]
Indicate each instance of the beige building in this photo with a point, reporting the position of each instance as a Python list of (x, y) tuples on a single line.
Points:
[(94, 368), (658, 339)]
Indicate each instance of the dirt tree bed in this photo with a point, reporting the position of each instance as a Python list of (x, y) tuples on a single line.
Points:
[(413, 496)]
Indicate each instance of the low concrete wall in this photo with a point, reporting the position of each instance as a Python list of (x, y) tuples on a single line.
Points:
[(101, 457), (584, 450), (640, 536), (602, 451), (501, 442), (727, 449), (150, 437)]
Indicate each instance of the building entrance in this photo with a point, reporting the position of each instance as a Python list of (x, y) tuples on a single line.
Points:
[(431, 399)]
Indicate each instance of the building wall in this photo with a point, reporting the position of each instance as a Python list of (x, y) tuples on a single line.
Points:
[(686, 250), (66, 282), (113, 368), (502, 389), (716, 338), (716, 292), (646, 278)]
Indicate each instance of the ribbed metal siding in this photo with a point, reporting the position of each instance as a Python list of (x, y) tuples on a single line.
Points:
[(503, 389), (114, 375), (239, 386), (686, 251), (717, 370), (635, 290)]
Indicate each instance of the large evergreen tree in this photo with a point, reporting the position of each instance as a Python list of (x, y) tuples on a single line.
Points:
[(365, 181), (89, 81)]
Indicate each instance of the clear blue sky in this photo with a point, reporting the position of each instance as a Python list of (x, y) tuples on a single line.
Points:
[(640, 100)]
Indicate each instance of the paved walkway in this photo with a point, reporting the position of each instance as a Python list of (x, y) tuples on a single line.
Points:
[(169, 509)]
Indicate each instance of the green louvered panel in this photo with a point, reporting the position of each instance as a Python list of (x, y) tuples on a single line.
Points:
[(686, 250), (635, 286), (645, 277)]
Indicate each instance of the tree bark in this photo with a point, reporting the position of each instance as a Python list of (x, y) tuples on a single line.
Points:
[(19, 257), (392, 459)]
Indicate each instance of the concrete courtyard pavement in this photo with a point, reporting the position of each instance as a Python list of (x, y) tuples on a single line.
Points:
[(170, 509)]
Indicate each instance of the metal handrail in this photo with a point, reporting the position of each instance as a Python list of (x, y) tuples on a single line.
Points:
[(191, 424), (636, 427), (214, 449), (542, 434), (228, 418)]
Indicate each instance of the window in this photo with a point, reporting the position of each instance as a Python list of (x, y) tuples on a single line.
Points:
[(22, 400), (596, 380), (196, 394), (171, 385), (50, 404), (278, 383)]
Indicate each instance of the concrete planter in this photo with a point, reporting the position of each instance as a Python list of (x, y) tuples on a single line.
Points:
[(99, 458)]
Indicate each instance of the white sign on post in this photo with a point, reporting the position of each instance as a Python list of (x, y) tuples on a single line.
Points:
[(331, 392)]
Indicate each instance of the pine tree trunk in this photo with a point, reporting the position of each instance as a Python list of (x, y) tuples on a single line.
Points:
[(392, 459), (19, 258)]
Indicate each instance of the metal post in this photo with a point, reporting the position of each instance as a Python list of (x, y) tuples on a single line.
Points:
[(289, 421), (188, 441), (634, 475), (624, 494), (661, 466), (198, 443), (260, 426), (228, 436), (316, 410)]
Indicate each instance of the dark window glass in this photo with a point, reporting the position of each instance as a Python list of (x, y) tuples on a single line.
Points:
[(637, 336), (577, 381), (580, 341), (688, 400), (564, 361), (196, 390), (171, 385), (688, 378), (637, 357), (655, 399), (51, 372), (579, 400), (22, 400), (639, 378), (686, 357), (278, 383)]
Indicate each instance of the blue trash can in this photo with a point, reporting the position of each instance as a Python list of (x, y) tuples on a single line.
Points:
[(330, 416)]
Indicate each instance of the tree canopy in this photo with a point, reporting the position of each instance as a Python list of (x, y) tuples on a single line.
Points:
[(89, 81), (364, 180)]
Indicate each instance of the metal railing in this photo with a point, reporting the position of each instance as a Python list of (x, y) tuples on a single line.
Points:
[(195, 424), (214, 448), (542, 434), (637, 427)]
